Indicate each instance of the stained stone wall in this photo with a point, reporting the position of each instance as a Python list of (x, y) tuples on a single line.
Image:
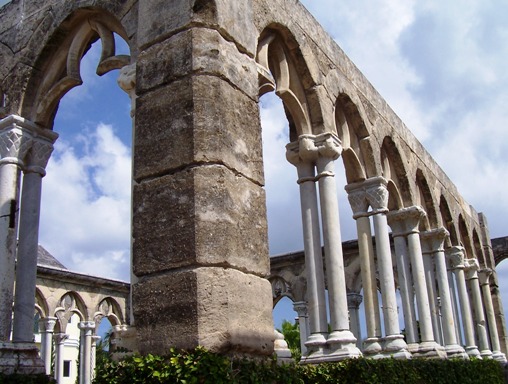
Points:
[(200, 255)]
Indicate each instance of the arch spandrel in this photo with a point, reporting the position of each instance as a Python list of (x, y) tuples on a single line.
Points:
[(58, 65)]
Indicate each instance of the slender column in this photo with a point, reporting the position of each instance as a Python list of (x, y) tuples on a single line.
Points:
[(410, 218), (26, 265), (359, 205), (59, 355), (434, 241), (455, 304), (93, 354), (301, 308), (430, 279), (340, 337), (47, 326), (302, 154), (405, 284), (484, 276), (15, 141), (85, 342), (456, 258), (472, 268), (353, 303), (377, 195)]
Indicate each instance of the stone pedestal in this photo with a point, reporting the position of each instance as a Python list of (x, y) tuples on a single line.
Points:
[(20, 358)]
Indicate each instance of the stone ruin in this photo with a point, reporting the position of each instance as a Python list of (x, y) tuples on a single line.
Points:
[(200, 262)]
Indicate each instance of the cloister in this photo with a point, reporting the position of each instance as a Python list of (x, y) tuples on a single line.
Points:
[(201, 270)]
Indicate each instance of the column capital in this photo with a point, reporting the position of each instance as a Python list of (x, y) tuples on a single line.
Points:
[(405, 220), (370, 192), (127, 81), (86, 325), (354, 300), (433, 240), (121, 328), (484, 276), (309, 147), (38, 156), (15, 139), (471, 267), (455, 256), (300, 307), (47, 324), (60, 337)]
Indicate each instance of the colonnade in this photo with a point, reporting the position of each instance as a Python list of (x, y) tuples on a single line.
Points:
[(433, 282)]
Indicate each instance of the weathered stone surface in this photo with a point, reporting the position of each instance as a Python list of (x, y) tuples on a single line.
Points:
[(222, 309), (196, 51), (21, 358), (183, 124), (187, 219)]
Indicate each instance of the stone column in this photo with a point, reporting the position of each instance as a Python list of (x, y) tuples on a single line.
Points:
[(93, 354), (15, 141), (46, 327), (434, 241), (300, 307), (302, 154), (405, 285), (472, 268), (85, 343), (353, 304), (456, 257), (59, 355), (430, 279), (408, 220), (377, 196), (341, 339), (455, 303), (484, 276), (359, 205), (28, 243)]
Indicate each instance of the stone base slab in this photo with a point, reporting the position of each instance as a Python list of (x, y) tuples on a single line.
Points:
[(21, 358)]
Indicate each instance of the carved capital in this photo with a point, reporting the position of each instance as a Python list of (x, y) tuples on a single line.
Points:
[(377, 194), (484, 276), (127, 81), (359, 203), (328, 145), (471, 267), (405, 220), (15, 139), (354, 300), (47, 324), (38, 156), (300, 307), (433, 240), (455, 257), (86, 325)]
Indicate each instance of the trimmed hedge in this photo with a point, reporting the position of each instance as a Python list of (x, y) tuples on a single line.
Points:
[(201, 366)]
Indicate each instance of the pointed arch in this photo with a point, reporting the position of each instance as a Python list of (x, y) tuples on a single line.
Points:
[(426, 201), (60, 61), (71, 303), (110, 309), (280, 289), (284, 71), (41, 304), (465, 238), (448, 223), (395, 170), (478, 249)]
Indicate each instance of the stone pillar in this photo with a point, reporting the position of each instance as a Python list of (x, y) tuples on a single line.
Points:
[(430, 279), (199, 213), (472, 268), (405, 222), (434, 242), (484, 276), (28, 243), (341, 340), (456, 258), (93, 354), (300, 307), (455, 303), (353, 304), (377, 196), (46, 327), (302, 155), (359, 205), (85, 344), (15, 141), (59, 355)]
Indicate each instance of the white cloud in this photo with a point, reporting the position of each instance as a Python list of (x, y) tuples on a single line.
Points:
[(85, 218)]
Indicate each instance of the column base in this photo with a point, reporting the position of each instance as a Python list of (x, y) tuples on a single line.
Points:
[(340, 345), (430, 350), (473, 351), (413, 347), (499, 356), (395, 346), (21, 358), (280, 347), (372, 347), (455, 351), (486, 354)]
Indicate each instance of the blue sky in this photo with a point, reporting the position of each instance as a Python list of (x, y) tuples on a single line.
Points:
[(440, 65)]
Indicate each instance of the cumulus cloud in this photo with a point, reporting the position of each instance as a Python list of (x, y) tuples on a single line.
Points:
[(85, 217)]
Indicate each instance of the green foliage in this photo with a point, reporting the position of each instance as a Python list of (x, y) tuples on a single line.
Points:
[(25, 379), (200, 366), (291, 334)]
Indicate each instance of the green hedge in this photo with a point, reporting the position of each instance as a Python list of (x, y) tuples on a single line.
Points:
[(200, 366)]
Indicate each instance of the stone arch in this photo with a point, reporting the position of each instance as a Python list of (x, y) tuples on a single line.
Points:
[(358, 156), (69, 304), (465, 238), (394, 169), (426, 201), (478, 249), (280, 288), (448, 223), (110, 309), (41, 304), (283, 69), (60, 67)]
